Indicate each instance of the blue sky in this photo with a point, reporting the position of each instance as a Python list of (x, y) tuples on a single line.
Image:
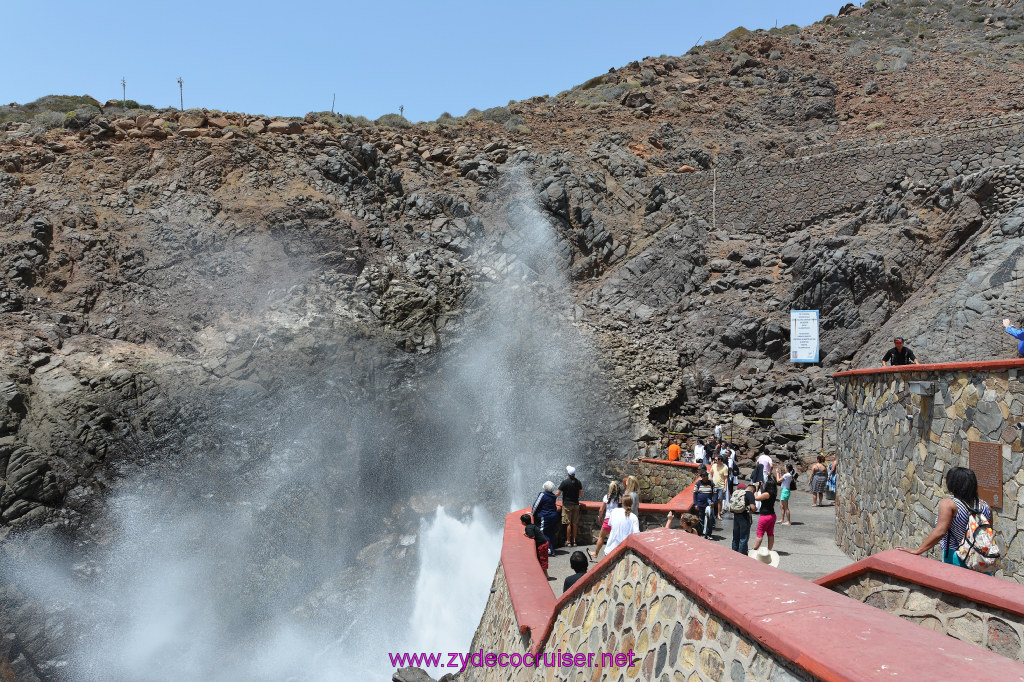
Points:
[(282, 58)]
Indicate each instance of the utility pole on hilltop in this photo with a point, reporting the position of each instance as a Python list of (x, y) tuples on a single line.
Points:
[(124, 96), (333, 97), (401, 110), (181, 93)]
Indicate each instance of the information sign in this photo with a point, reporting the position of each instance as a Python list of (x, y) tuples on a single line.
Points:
[(986, 461), (803, 336)]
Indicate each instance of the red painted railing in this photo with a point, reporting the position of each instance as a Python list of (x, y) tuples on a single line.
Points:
[(821, 632), (953, 580), (987, 365)]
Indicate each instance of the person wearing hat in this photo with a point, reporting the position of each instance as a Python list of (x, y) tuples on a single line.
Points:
[(765, 556), (1017, 334), (570, 491), (899, 354)]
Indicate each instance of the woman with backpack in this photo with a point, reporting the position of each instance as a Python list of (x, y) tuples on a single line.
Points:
[(954, 513)]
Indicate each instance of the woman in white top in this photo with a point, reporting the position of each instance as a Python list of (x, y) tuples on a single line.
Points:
[(785, 489), (609, 504), (623, 522)]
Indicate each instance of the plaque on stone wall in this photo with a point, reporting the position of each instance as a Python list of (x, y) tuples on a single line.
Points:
[(986, 460)]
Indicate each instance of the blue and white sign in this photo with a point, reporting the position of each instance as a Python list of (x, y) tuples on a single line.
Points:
[(803, 336)]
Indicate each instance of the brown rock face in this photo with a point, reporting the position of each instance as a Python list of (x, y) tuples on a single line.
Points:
[(285, 127), (192, 118)]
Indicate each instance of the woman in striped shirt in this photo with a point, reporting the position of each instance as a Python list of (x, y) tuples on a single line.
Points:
[(951, 524)]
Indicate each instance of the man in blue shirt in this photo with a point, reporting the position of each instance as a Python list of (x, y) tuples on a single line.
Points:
[(1017, 334)]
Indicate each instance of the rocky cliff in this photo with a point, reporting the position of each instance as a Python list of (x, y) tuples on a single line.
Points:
[(188, 295)]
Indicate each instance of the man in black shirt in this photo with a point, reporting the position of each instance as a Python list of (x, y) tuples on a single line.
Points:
[(570, 491), (899, 355)]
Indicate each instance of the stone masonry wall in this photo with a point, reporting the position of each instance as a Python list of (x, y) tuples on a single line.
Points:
[(659, 483), (634, 607), (768, 197), (963, 619), (892, 469), (499, 629)]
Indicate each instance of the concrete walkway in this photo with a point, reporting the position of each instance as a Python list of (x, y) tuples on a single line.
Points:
[(806, 549)]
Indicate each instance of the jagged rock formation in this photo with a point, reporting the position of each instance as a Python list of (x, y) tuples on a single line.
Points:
[(181, 285)]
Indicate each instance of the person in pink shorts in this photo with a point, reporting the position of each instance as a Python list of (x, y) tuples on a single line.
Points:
[(766, 493)]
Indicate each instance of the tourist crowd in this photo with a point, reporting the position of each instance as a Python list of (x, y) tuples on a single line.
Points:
[(717, 491)]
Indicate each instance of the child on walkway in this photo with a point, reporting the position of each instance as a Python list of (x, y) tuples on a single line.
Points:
[(532, 530)]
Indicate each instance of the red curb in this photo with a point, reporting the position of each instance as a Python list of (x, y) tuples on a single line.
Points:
[(532, 599), (684, 498), (666, 462), (990, 365), (953, 580), (810, 625), (806, 624)]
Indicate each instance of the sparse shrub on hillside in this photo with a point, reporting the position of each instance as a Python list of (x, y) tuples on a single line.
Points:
[(394, 121), (514, 122), (876, 125), (593, 82), (358, 121), (60, 103), (496, 114), (48, 120), (325, 117), (737, 34), (474, 115), (446, 120)]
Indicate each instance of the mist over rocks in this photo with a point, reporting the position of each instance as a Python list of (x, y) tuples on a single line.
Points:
[(237, 333)]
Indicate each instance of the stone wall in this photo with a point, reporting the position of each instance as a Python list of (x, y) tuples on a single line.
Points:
[(631, 607), (499, 628), (895, 447), (767, 197), (687, 609), (958, 617), (635, 607), (660, 480)]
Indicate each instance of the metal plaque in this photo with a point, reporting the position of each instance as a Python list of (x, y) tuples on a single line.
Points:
[(986, 460)]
